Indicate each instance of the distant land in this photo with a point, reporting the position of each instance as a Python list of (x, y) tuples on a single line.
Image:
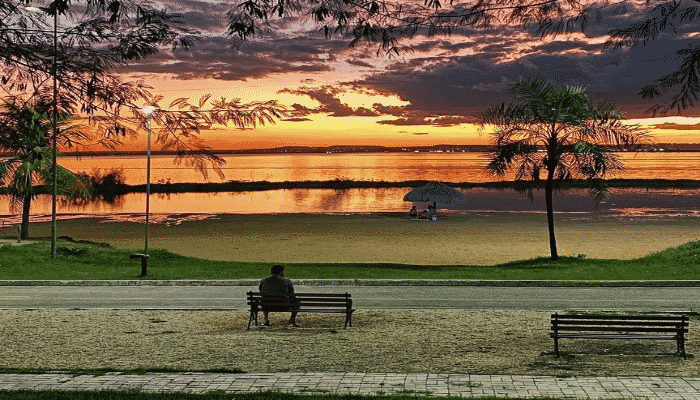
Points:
[(442, 148)]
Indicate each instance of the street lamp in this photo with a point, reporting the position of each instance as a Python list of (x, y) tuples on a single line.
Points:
[(54, 122), (148, 110)]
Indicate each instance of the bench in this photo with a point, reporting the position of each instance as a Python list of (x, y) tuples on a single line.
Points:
[(630, 327), (301, 302)]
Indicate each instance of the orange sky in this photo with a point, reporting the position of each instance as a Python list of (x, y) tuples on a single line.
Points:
[(321, 129)]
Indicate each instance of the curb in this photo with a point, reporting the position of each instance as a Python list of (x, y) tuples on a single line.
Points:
[(357, 282)]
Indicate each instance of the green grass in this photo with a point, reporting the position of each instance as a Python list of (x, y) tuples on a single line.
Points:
[(103, 371), (135, 395), (90, 261)]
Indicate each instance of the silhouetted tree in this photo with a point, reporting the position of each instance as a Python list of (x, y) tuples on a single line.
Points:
[(559, 132), (30, 161), (95, 38)]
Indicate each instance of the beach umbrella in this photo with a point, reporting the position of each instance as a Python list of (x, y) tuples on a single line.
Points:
[(435, 192)]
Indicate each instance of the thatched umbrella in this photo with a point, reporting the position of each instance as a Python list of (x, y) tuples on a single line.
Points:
[(436, 192)]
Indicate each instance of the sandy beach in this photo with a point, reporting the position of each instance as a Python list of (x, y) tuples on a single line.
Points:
[(455, 239)]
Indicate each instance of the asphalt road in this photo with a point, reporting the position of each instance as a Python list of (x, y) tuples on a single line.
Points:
[(416, 297)]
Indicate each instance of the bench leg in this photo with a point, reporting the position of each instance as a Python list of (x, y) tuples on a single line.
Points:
[(348, 320), (253, 316), (680, 345), (556, 346)]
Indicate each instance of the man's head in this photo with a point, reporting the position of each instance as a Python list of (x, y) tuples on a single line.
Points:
[(277, 270)]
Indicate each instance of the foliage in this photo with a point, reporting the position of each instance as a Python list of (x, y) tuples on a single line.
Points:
[(92, 40), (106, 184), (26, 138), (560, 132), (387, 22), (663, 17)]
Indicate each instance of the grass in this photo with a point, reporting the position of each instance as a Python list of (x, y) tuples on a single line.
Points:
[(94, 261), (136, 395), (103, 371)]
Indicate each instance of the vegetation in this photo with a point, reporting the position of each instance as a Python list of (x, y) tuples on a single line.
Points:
[(26, 136), (90, 261), (107, 186), (558, 131)]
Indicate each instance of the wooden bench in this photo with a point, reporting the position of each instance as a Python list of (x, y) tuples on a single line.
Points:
[(301, 302), (630, 327)]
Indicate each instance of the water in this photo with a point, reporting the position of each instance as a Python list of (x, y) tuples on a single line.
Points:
[(392, 167), (449, 167)]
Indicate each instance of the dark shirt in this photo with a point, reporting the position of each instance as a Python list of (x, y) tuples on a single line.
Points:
[(275, 284)]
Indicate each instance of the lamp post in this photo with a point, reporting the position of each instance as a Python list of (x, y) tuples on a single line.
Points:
[(148, 110), (54, 122)]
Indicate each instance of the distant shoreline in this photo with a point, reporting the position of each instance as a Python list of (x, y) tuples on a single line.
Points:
[(441, 148), (343, 184)]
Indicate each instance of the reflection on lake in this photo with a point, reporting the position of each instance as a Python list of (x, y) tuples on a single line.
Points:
[(628, 203), (391, 167)]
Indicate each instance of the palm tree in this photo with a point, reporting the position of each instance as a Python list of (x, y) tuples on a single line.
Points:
[(558, 131), (31, 161)]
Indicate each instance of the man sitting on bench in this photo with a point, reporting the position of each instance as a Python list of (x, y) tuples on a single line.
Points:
[(277, 284)]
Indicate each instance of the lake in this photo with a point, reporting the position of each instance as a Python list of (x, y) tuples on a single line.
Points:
[(449, 167), (391, 167)]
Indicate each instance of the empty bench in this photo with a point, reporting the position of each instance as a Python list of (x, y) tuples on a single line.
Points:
[(629, 327), (301, 302)]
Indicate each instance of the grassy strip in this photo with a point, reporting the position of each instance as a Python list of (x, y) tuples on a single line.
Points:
[(136, 395), (103, 371), (88, 261)]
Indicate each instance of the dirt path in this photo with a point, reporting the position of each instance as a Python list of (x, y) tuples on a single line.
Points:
[(380, 341)]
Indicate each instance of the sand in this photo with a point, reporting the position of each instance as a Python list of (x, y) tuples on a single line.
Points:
[(457, 341), (456, 239)]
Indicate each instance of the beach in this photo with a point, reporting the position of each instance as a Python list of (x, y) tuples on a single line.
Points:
[(478, 238)]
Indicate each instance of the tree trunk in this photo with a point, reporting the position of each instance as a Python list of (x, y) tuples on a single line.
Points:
[(26, 204), (550, 214)]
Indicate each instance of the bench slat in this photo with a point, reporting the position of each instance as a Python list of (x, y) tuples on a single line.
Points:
[(604, 336), (621, 323), (621, 317), (617, 329)]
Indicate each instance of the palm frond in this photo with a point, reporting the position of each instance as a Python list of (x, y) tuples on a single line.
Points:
[(505, 156)]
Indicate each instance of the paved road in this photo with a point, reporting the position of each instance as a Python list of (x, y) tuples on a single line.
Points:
[(462, 297)]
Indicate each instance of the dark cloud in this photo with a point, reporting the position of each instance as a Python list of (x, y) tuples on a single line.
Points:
[(677, 127), (442, 84), (465, 85), (330, 103), (216, 58)]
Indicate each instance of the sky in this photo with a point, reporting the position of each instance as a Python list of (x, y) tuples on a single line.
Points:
[(432, 95)]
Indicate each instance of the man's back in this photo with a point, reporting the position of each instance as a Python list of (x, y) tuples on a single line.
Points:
[(276, 285)]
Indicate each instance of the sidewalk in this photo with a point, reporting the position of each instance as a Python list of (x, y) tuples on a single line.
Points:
[(465, 385)]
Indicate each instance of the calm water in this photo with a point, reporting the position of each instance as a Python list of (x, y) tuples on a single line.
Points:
[(446, 167), (454, 167)]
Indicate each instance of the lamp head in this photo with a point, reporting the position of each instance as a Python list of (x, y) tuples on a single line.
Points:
[(148, 110)]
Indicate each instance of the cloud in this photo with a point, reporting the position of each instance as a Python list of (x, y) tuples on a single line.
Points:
[(677, 127), (442, 121), (446, 80), (329, 101)]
